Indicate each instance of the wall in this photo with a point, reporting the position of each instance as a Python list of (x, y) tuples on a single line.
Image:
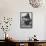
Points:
[(12, 8)]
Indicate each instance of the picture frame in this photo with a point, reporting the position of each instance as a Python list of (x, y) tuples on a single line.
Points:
[(26, 19)]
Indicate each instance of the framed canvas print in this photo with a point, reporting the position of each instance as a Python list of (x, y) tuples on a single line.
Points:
[(26, 19)]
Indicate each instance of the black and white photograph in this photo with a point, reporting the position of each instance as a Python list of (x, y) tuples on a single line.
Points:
[(26, 19)]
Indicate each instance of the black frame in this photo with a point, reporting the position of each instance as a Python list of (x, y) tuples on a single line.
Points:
[(25, 26)]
